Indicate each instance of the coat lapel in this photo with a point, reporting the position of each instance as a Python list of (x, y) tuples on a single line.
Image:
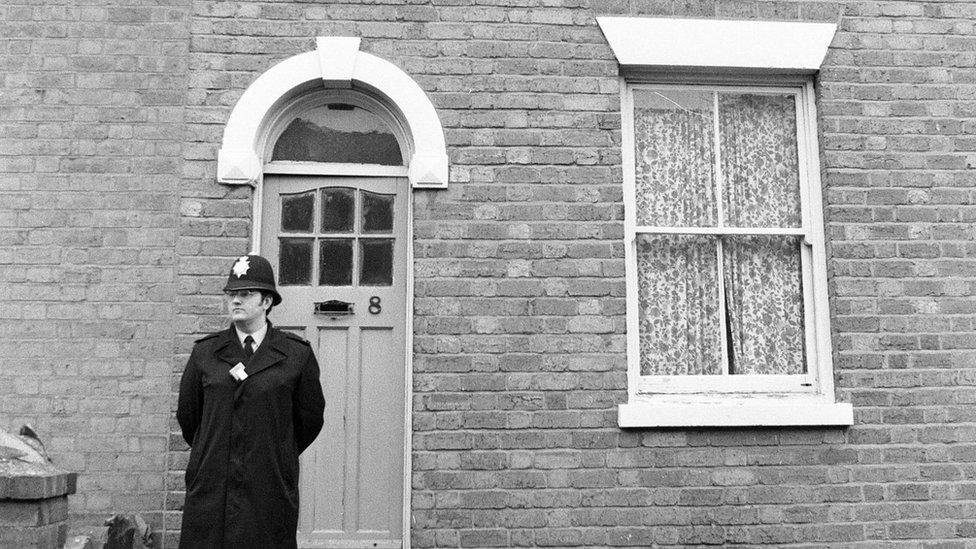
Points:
[(228, 348), (268, 354)]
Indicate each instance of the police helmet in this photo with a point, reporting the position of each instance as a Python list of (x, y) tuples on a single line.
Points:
[(253, 272)]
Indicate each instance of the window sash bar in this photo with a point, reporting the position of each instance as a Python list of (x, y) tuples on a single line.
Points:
[(720, 231), (717, 384), (723, 313)]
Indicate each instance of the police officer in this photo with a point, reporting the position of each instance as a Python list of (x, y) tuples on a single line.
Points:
[(250, 402)]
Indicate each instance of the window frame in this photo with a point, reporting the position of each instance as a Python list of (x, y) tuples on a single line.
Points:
[(804, 399), (322, 97), (724, 383), (356, 235)]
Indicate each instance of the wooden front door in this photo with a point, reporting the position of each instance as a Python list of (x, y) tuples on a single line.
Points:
[(339, 249)]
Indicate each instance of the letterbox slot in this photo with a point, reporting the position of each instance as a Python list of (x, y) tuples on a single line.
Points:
[(333, 308)]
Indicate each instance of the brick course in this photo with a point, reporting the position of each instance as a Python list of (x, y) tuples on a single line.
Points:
[(114, 237), (91, 114)]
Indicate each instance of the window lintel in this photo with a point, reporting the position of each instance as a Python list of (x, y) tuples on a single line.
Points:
[(734, 46)]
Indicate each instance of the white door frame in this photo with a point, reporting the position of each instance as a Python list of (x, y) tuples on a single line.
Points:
[(338, 67)]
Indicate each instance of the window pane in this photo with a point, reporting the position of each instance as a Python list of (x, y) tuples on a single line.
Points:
[(760, 163), (377, 213), (678, 307), (338, 210), (295, 261), (297, 211), (674, 153), (335, 262), (377, 262), (764, 298), (338, 133)]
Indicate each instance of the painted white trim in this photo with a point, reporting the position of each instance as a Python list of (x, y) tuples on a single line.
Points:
[(731, 412), (823, 350), (337, 59), (723, 306), (727, 384), (650, 42), (240, 158), (257, 217), (745, 231), (287, 167), (408, 384), (628, 162)]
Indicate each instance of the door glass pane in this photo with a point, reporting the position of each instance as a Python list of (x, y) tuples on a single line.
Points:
[(674, 152), (335, 262), (376, 267), (295, 261), (338, 210), (377, 212), (297, 211), (764, 298), (338, 132), (760, 162), (678, 307)]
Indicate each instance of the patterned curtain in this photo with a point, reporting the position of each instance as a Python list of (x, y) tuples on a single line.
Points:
[(678, 275), (675, 158), (764, 304), (680, 330), (761, 186), (762, 274)]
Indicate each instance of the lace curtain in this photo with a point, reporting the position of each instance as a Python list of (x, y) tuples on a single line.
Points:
[(680, 277)]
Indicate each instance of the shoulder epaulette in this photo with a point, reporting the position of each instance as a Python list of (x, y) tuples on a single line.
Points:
[(297, 338), (206, 337)]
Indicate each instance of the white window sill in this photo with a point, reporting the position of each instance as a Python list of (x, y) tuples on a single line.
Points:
[(687, 411)]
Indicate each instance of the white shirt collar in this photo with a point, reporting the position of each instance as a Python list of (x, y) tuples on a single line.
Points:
[(258, 336)]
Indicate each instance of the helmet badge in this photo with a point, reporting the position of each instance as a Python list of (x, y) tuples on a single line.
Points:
[(241, 267)]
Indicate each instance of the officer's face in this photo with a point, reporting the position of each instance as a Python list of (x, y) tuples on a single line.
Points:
[(247, 307)]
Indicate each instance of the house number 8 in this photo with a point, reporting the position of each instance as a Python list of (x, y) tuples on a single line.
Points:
[(374, 305)]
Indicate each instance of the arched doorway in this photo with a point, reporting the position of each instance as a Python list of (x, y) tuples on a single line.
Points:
[(334, 224), (334, 150)]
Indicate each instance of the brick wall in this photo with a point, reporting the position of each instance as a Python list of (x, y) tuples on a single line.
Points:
[(114, 238), (519, 327), (91, 114)]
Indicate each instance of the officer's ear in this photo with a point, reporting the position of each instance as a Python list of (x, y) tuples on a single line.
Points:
[(266, 302)]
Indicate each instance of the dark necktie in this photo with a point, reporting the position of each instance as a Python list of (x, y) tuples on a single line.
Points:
[(248, 348)]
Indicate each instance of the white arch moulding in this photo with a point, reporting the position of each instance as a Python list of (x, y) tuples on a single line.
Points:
[(337, 62)]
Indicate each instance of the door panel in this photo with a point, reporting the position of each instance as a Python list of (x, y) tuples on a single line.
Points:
[(344, 239), (329, 464), (376, 480)]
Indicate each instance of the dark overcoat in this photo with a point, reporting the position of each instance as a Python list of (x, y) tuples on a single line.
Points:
[(245, 438)]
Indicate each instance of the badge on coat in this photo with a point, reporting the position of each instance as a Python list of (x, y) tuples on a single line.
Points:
[(238, 373)]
